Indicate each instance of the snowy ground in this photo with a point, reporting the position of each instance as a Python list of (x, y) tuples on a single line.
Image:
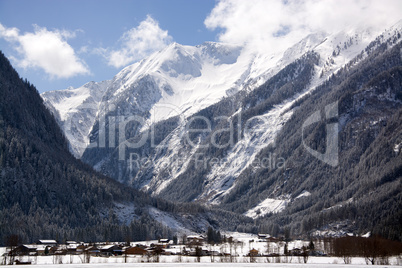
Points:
[(75, 261), (244, 242), (210, 265)]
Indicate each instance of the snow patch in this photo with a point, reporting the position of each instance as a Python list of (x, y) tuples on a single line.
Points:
[(397, 147), (269, 205), (125, 212), (167, 220), (303, 194)]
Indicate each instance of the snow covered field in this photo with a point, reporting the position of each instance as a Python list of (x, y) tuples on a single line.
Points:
[(209, 265), (76, 261), (243, 243)]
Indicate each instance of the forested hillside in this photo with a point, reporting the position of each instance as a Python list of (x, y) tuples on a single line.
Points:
[(44, 191), (363, 192), (47, 193)]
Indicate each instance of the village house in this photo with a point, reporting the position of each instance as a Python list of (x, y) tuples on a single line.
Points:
[(80, 249), (58, 250), (42, 249), (263, 236), (71, 248), (253, 253), (164, 243), (109, 250), (195, 239), (24, 250), (92, 250)]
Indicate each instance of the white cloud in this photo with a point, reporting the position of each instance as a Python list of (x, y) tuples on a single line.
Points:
[(137, 43), (277, 23), (47, 50)]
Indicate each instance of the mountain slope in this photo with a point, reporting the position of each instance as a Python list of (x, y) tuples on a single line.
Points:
[(361, 192), (75, 110), (44, 190), (331, 52)]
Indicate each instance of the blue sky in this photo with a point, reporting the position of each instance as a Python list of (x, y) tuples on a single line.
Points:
[(57, 44), (98, 24)]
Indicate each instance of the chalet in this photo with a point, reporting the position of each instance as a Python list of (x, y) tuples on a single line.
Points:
[(24, 250), (92, 250), (263, 236), (80, 249), (136, 251), (272, 239), (58, 250), (195, 239), (156, 249), (253, 253), (164, 243), (41, 249), (109, 250)]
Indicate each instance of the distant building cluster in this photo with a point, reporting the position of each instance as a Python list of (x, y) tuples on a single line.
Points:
[(51, 247)]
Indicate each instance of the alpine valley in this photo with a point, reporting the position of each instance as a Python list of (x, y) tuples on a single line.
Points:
[(306, 140)]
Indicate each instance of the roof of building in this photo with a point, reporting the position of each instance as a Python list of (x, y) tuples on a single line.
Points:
[(107, 246), (47, 241), (195, 237)]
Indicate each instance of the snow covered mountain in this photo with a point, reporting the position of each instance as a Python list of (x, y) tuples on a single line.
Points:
[(183, 82), (197, 123), (333, 52), (179, 80), (75, 110)]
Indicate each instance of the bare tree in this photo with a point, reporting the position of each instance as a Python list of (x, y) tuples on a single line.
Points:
[(198, 253), (12, 242), (345, 247), (211, 253), (371, 249), (305, 253)]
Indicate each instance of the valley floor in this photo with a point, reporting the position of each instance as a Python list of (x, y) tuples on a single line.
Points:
[(187, 261), (240, 258)]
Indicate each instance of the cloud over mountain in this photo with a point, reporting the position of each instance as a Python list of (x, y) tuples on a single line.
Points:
[(273, 25), (137, 43), (47, 50)]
